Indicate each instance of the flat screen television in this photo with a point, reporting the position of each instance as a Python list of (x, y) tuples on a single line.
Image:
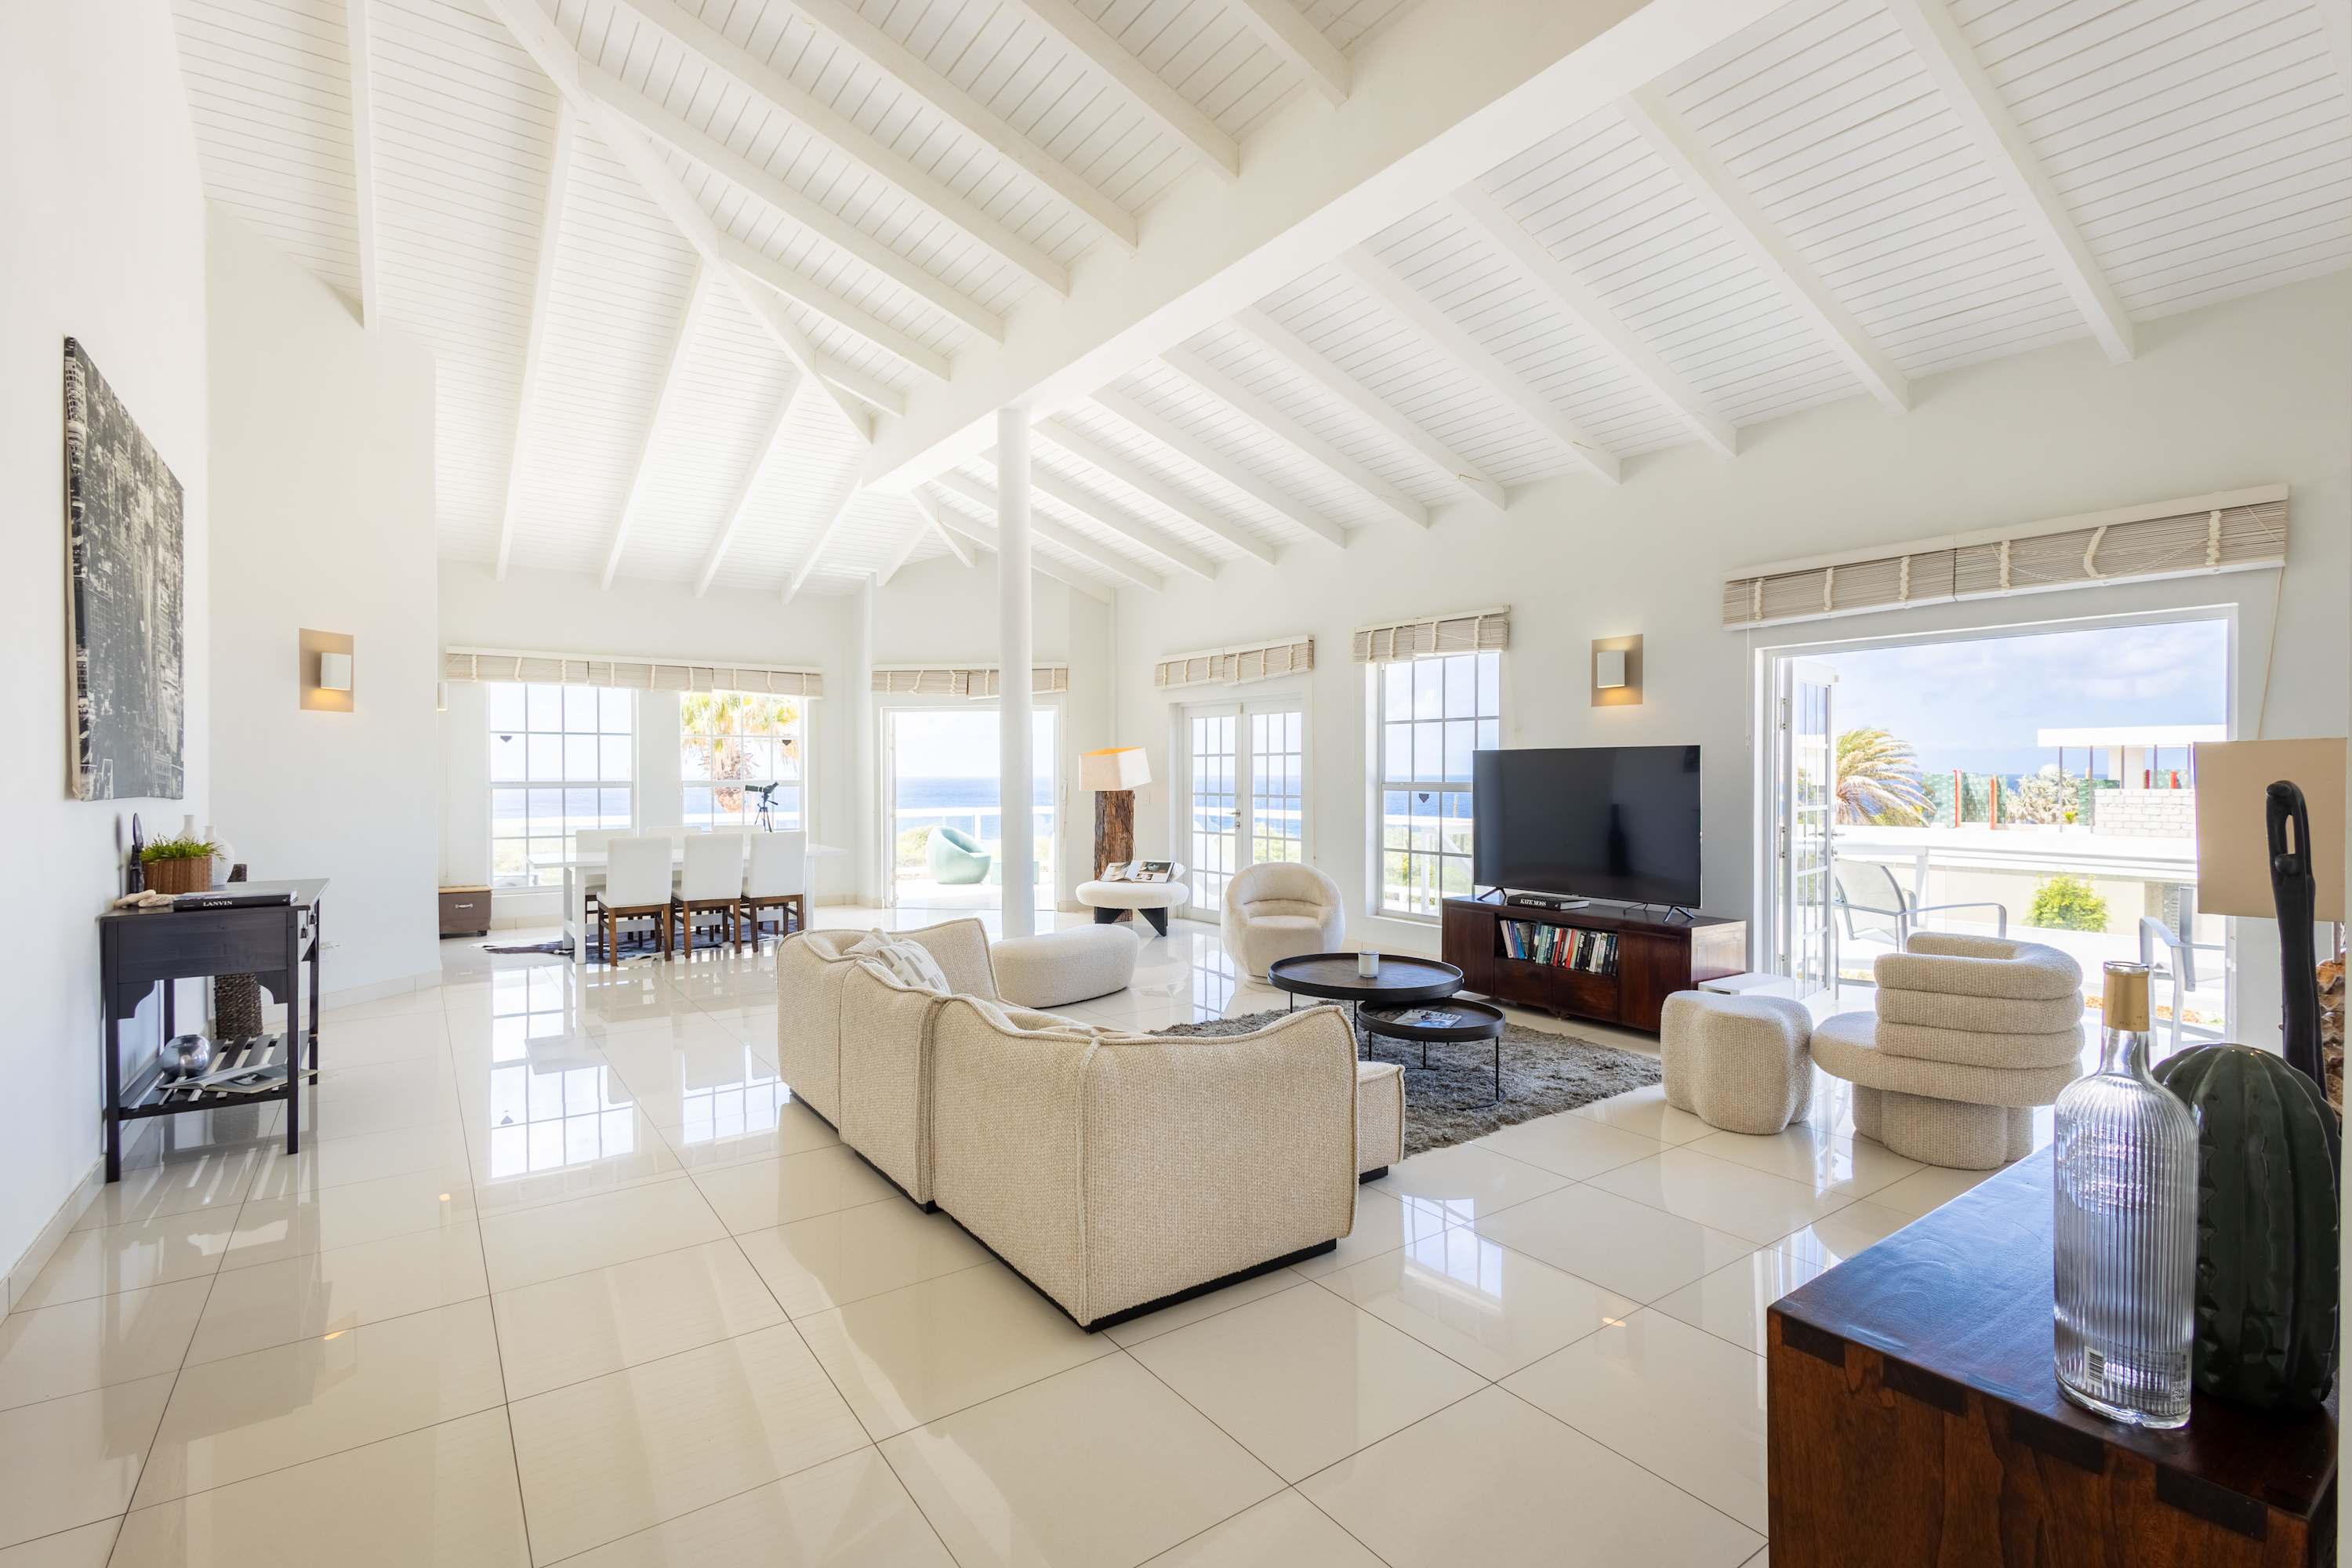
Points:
[(1618, 823)]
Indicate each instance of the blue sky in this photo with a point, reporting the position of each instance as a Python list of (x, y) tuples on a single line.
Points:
[(1976, 705)]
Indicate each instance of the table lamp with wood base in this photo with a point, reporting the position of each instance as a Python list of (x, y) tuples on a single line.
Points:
[(1114, 774)]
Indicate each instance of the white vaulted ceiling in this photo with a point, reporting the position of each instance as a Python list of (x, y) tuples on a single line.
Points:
[(678, 258)]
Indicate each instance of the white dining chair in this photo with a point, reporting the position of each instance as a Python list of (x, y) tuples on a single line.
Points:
[(637, 886), (712, 879), (591, 841), (776, 878)]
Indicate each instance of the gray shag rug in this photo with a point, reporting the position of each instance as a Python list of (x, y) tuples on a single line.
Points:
[(1452, 1100)]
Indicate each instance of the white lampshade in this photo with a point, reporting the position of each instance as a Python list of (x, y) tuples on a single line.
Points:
[(1114, 767)]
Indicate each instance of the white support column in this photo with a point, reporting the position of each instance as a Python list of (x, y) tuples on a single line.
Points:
[(1018, 851), (869, 857)]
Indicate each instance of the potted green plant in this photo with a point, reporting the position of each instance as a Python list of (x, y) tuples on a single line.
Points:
[(182, 865)]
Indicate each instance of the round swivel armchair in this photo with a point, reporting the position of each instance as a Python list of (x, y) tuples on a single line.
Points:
[(1281, 909)]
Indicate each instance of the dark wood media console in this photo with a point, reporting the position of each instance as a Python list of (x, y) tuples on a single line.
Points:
[(1654, 959)]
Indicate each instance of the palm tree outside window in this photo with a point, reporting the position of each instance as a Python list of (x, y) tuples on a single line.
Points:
[(733, 748)]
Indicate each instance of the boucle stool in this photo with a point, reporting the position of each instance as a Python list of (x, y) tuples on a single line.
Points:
[(1740, 1063), (1960, 1114), (1055, 968)]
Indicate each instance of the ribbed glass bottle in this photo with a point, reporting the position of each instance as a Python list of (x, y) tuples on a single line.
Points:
[(2126, 1165)]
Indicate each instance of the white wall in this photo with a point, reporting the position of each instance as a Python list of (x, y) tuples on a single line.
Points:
[(2249, 392), (101, 238), (322, 474), (550, 612)]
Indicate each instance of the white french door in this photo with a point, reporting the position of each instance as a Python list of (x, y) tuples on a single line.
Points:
[(1804, 791), (1244, 791)]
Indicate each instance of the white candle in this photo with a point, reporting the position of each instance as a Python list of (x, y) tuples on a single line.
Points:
[(1368, 965)]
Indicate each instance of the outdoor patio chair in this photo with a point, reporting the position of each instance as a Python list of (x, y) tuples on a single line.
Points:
[(1868, 890), (956, 858)]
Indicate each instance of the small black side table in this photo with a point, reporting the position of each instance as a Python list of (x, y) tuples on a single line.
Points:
[(140, 950), (1475, 1021)]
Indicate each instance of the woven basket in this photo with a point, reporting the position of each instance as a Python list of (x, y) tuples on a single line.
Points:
[(192, 876), (236, 1007)]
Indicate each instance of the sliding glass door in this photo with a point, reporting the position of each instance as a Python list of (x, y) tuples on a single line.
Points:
[(945, 819), (1244, 785)]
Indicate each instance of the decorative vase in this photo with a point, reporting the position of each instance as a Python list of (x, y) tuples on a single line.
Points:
[(2125, 1254), (186, 1055), (2266, 1226)]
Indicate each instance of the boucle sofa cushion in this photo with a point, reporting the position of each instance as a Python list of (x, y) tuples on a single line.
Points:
[(1057, 967), (1980, 966), (2062, 1048), (1846, 1047), (1980, 1014)]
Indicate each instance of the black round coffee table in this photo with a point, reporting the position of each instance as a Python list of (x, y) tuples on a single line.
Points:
[(1332, 977), (1470, 1021)]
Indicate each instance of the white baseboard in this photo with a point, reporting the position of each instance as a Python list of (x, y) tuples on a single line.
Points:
[(44, 1245)]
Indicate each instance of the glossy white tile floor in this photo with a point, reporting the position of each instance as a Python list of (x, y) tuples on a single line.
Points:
[(565, 1275)]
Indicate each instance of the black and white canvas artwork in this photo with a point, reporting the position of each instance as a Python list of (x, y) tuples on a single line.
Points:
[(122, 613)]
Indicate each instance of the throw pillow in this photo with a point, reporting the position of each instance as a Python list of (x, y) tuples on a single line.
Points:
[(914, 965)]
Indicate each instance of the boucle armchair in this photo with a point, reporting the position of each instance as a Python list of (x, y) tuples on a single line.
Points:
[(1114, 1171), (1281, 909), (812, 968), (1971, 1034)]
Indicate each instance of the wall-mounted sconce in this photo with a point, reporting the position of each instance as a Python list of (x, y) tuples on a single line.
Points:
[(1617, 672), (440, 697), (327, 671)]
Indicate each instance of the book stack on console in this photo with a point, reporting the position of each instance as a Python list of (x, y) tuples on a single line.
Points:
[(1562, 947)]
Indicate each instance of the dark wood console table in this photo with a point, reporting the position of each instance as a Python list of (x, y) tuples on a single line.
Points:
[(1656, 958), (140, 950), (1914, 1423)]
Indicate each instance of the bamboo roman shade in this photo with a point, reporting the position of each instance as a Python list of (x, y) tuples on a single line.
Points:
[(2239, 531), (635, 673), (1237, 664), (1467, 631), (973, 680)]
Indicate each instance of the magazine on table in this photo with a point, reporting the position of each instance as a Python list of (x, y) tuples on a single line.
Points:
[(1430, 1018), (1152, 871)]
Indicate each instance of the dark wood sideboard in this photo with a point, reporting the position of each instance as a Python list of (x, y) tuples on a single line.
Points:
[(1915, 1422), (1656, 958)]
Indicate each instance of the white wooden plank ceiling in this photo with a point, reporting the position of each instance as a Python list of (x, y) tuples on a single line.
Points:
[(1850, 196)]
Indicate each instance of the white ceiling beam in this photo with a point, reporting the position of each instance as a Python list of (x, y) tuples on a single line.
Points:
[(892, 58), (1204, 456), (1310, 362), (1102, 513), (1146, 483), (1952, 65), (1477, 360), (1068, 541), (1296, 437), (670, 383), (824, 536), (1700, 173), (536, 33), (982, 536), (534, 337), (1591, 316), (745, 488), (1171, 110), (820, 300), (1440, 92), (359, 47), (868, 389), (789, 204), (947, 536), (1280, 27), (838, 132), (917, 531)]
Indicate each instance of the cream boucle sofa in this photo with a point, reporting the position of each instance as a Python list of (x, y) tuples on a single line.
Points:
[(1116, 1170), (810, 974)]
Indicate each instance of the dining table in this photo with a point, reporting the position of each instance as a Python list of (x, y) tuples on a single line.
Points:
[(584, 871)]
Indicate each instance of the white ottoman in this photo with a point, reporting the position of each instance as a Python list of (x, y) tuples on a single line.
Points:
[(1740, 1063), (1152, 900), (1055, 968)]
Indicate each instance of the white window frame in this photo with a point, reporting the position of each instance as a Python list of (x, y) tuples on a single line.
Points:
[(1487, 733), (1207, 899), (750, 811), (1052, 874), (566, 833)]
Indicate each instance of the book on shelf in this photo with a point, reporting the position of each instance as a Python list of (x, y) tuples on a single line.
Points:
[(1561, 947)]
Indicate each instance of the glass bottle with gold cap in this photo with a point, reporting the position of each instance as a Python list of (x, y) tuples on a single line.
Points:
[(2126, 1264)]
